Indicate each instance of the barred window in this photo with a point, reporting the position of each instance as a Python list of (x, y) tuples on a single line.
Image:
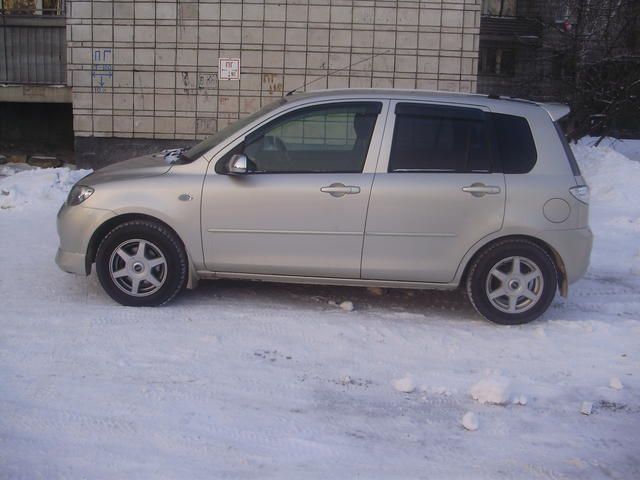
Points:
[(32, 7)]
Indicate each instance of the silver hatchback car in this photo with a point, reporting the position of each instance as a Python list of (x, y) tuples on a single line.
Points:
[(385, 188)]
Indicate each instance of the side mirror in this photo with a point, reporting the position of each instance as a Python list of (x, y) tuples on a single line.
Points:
[(238, 164)]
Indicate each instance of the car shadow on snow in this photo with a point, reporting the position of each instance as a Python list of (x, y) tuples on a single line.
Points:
[(449, 304)]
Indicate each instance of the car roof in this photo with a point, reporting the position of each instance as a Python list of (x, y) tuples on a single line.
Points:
[(494, 102)]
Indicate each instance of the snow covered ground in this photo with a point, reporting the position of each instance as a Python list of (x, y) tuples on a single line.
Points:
[(240, 380)]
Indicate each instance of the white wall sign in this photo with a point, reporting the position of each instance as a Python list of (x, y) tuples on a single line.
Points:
[(229, 68)]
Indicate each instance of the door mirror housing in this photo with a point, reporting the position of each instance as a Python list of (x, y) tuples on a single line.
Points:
[(237, 164)]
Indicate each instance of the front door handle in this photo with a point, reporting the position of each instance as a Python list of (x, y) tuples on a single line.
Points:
[(480, 189), (340, 189)]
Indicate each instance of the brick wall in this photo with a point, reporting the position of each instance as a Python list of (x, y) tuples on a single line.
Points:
[(149, 69)]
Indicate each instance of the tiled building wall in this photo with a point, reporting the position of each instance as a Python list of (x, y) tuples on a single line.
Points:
[(149, 69)]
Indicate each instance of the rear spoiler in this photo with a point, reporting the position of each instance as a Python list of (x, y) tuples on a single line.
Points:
[(556, 110)]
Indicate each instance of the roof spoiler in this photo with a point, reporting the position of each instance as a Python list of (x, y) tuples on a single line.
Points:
[(556, 110)]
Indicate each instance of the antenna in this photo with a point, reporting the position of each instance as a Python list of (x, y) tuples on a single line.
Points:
[(336, 71)]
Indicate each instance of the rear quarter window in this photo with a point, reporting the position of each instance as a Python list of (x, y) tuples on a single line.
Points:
[(516, 147)]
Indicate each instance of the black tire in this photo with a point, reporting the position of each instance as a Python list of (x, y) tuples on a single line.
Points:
[(480, 283), (158, 240)]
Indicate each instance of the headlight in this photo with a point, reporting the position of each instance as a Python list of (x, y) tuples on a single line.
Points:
[(581, 192), (79, 194)]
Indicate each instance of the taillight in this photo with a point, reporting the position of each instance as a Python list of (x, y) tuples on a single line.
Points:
[(581, 193)]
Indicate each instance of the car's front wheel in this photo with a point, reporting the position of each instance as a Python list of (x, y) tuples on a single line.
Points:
[(141, 263), (512, 282)]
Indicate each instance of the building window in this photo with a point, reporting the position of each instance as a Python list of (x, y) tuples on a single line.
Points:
[(497, 61), (499, 8), (32, 7)]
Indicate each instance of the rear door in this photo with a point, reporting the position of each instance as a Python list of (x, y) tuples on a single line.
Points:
[(435, 194)]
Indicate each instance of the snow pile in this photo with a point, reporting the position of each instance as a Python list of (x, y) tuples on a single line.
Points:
[(347, 306), (614, 214), (495, 389), (628, 147), (586, 408), (470, 421), (615, 383), (404, 384), (613, 178), (36, 185), (520, 400)]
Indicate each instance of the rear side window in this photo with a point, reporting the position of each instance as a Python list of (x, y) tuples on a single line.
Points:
[(435, 138), (567, 150), (516, 147)]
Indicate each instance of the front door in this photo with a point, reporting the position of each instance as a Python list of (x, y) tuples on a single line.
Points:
[(301, 209), (435, 195)]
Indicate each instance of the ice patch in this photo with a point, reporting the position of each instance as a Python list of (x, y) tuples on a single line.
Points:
[(404, 384), (470, 421)]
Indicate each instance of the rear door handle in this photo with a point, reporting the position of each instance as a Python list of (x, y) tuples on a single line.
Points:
[(480, 189), (340, 189)]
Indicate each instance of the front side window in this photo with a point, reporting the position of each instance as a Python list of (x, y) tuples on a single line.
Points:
[(207, 144), (320, 139), (433, 138)]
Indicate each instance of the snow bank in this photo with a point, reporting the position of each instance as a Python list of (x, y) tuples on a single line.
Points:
[(24, 187), (615, 219), (630, 148)]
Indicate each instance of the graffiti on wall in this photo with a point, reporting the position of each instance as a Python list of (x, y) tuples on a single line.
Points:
[(101, 69)]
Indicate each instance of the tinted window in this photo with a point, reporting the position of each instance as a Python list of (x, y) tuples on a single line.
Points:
[(516, 147), (430, 138), (331, 138)]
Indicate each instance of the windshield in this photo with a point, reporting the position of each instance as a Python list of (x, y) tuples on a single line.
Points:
[(207, 144)]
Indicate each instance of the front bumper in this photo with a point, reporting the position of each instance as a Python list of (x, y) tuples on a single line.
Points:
[(76, 225)]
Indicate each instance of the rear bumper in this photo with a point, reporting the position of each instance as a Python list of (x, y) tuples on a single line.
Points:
[(72, 262), (574, 248)]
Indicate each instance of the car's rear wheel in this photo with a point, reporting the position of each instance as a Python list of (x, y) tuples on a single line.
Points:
[(141, 263), (512, 282)]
